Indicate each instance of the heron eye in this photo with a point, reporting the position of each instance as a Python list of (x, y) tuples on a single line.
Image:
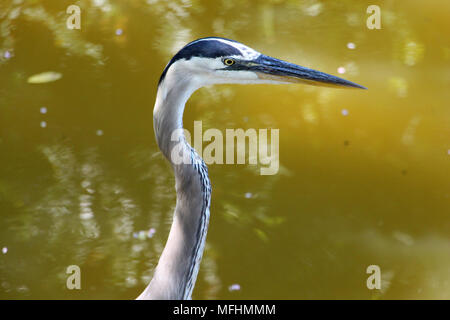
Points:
[(228, 62)]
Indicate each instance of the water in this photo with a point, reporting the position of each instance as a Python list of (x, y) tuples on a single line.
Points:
[(363, 180)]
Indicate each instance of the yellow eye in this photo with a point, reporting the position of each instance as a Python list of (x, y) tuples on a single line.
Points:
[(228, 62)]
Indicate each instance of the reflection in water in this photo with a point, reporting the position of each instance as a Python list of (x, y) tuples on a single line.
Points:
[(363, 177), (96, 217)]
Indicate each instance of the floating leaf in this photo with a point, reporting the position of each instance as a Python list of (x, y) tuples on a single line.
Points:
[(261, 235), (45, 77)]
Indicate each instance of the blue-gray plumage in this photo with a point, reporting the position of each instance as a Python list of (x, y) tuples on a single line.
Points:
[(203, 62)]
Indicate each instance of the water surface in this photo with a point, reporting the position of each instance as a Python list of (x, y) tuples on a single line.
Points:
[(364, 175)]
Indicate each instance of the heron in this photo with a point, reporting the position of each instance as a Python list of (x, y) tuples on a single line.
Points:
[(204, 62)]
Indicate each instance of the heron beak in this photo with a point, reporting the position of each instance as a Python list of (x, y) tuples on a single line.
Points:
[(269, 68)]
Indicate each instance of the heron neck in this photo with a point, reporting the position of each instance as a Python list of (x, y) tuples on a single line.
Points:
[(177, 269), (168, 112)]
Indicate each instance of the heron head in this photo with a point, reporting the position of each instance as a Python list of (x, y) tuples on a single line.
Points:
[(215, 60)]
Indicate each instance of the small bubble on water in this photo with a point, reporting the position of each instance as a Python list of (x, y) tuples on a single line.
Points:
[(351, 45), (142, 235), (43, 110), (448, 152), (234, 287), (248, 195), (151, 232), (4, 250), (7, 54), (344, 112), (43, 124), (119, 32), (99, 133), (341, 70)]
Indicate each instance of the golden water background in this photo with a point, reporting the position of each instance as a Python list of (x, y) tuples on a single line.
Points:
[(364, 175)]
